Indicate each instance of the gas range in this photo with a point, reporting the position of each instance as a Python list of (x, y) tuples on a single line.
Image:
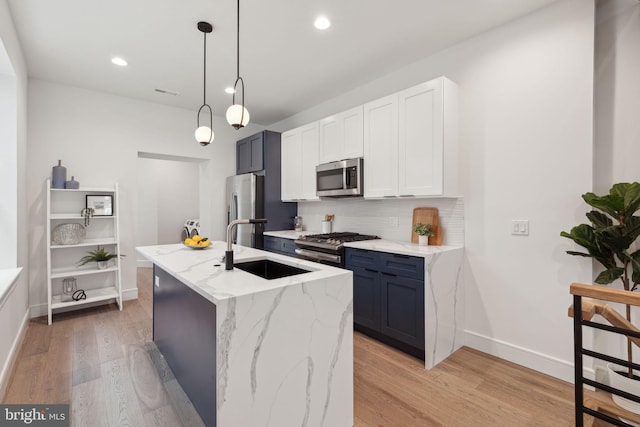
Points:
[(327, 248)]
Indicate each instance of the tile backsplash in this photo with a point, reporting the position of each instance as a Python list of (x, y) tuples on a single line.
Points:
[(380, 217)]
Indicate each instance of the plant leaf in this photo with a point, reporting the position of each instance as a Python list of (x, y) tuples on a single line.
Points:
[(635, 266), (579, 254), (632, 199), (611, 204), (599, 219), (609, 275)]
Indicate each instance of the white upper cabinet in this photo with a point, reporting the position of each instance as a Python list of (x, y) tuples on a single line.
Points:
[(299, 160), (341, 136), (410, 142), (291, 167), (381, 147)]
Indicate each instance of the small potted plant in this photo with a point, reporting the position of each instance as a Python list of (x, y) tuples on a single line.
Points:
[(99, 256), (423, 231)]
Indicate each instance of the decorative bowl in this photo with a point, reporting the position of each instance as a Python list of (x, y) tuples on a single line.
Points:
[(68, 234), (197, 247)]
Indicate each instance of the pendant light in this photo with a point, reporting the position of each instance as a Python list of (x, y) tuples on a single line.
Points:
[(237, 114), (204, 134)]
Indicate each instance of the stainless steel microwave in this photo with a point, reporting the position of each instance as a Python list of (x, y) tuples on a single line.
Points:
[(340, 179)]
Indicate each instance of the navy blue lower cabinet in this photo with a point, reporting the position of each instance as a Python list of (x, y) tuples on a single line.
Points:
[(272, 244), (403, 309), (184, 330), (280, 245), (366, 298), (388, 298)]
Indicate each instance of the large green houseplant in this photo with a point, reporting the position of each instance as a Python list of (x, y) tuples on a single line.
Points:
[(610, 239)]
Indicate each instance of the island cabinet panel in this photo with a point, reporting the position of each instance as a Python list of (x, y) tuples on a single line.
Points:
[(388, 298), (184, 330)]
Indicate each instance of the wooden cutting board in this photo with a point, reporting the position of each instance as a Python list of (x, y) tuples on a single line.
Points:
[(427, 216)]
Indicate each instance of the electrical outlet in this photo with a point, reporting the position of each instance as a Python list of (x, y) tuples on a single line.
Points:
[(157, 281), (520, 227), (393, 221)]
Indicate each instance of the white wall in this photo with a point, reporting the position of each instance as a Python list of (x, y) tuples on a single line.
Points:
[(168, 194), (617, 93), (98, 137), (617, 128), (14, 312), (8, 170), (526, 120)]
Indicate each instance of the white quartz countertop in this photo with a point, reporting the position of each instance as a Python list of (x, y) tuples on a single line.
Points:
[(289, 234), (398, 247), (8, 279), (203, 270)]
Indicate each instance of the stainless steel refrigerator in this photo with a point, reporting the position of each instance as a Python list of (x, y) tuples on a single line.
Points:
[(245, 200)]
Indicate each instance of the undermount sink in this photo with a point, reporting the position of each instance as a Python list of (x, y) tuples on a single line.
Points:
[(269, 269)]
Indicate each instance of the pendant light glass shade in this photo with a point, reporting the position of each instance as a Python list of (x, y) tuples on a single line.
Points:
[(204, 134), (237, 114)]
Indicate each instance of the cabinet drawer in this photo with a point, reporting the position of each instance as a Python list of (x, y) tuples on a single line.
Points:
[(362, 258), (402, 265), (279, 245), (289, 246), (272, 244)]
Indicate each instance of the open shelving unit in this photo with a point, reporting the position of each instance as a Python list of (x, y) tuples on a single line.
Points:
[(100, 285)]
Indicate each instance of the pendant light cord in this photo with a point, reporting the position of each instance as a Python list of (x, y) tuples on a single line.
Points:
[(204, 91), (238, 41)]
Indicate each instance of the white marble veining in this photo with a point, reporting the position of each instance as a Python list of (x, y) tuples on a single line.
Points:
[(284, 347), (443, 293)]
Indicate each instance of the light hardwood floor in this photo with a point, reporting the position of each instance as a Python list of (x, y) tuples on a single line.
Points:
[(104, 363)]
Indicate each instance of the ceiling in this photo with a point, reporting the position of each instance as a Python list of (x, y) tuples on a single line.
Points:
[(287, 65)]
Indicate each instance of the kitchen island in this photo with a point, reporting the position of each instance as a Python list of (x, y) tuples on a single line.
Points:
[(250, 351)]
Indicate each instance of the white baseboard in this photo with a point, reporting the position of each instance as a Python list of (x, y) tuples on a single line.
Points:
[(129, 294), (38, 310), (144, 263), (558, 368), (5, 375)]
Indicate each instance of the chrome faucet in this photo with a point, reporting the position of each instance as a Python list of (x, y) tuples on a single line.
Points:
[(228, 255)]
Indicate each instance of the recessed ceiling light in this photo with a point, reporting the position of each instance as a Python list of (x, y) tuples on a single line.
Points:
[(230, 90), (119, 61), (322, 23)]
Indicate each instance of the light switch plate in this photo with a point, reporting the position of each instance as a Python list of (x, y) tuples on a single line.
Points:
[(520, 227), (157, 281)]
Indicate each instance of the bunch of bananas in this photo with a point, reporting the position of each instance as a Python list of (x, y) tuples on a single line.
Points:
[(197, 240)]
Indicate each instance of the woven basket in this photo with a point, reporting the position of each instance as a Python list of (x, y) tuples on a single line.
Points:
[(68, 234)]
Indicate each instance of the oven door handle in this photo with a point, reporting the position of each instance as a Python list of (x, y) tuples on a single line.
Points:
[(318, 255)]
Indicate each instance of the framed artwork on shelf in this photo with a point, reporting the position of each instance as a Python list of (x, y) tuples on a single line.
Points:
[(101, 204)]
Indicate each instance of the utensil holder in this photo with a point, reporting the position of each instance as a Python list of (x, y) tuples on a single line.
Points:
[(326, 227)]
